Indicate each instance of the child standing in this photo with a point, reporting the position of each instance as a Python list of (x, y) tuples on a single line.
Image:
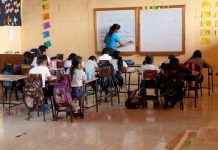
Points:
[(78, 76)]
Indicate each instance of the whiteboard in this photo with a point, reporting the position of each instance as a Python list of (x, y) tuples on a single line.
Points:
[(127, 21), (161, 30)]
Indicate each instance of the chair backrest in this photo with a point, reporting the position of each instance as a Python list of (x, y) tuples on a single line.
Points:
[(8, 67), (103, 61), (173, 73), (192, 66), (150, 74), (60, 64), (105, 72), (60, 56), (25, 69)]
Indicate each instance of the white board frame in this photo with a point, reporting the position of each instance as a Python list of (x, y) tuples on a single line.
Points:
[(125, 52), (157, 52)]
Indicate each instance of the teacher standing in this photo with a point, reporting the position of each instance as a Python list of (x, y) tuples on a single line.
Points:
[(112, 39)]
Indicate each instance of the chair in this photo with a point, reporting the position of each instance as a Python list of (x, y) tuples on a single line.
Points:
[(150, 81), (62, 96), (25, 69), (106, 81), (195, 77), (33, 95), (172, 88)]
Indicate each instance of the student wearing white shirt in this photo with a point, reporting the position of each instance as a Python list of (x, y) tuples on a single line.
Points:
[(43, 50), (119, 66), (91, 65), (148, 64), (68, 62), (78, 76), (42, 69), (105, 55), (117, 62)]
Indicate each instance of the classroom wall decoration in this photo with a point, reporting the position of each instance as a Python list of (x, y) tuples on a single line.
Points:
[(10, 12), (46, 23), (206, 16)]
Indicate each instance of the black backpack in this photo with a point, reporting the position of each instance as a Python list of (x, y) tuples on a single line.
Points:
[(135, 99)]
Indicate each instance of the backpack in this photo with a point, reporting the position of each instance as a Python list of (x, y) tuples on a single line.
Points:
[(104, 78), (62, 91), (172, 89), (135, 99), (33, 93)]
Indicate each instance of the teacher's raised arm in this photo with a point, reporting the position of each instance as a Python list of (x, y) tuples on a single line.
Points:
[(112, 39)]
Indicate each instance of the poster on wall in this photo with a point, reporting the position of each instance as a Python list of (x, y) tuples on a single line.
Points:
[(10, 14)]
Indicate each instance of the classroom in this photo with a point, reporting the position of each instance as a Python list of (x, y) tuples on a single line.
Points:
[(108, 74)]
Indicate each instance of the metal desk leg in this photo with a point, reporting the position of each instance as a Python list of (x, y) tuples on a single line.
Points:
[(10, 91), (129, 83), (3, 95), (96, 95)]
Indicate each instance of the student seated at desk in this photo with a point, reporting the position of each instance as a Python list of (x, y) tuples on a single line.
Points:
[(43, 50), (105, 55), (27, 60), (119, 67), (148, 64), (78, 76), (42, 69), (91, 65), (68, 62), (199, 61)]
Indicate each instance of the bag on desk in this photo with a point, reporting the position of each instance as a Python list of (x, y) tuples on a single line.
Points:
[(129, 62)]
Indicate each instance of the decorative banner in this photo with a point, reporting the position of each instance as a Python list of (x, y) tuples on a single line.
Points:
[(144, 7), (10, 13), (206, 14), (48, 43), (205, 32), (206, 23), (46, 34), (46, 16), (46, 25), (206, 4), (216, 23), (216, 32), (216, 14), (216, 5), (154, 7), (205, 41), (45, 6)]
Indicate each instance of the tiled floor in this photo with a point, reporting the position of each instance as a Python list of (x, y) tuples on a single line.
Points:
[(112, 128)]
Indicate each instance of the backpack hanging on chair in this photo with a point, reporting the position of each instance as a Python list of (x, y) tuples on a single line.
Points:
[(62, 91), (33, 93)]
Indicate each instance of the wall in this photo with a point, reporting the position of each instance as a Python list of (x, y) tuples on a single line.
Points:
[(10, 45), (69, 26), (73, 27)]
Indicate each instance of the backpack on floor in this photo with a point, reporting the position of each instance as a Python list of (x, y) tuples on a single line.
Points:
[(33, 93), (135, 99), (62, 91)]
